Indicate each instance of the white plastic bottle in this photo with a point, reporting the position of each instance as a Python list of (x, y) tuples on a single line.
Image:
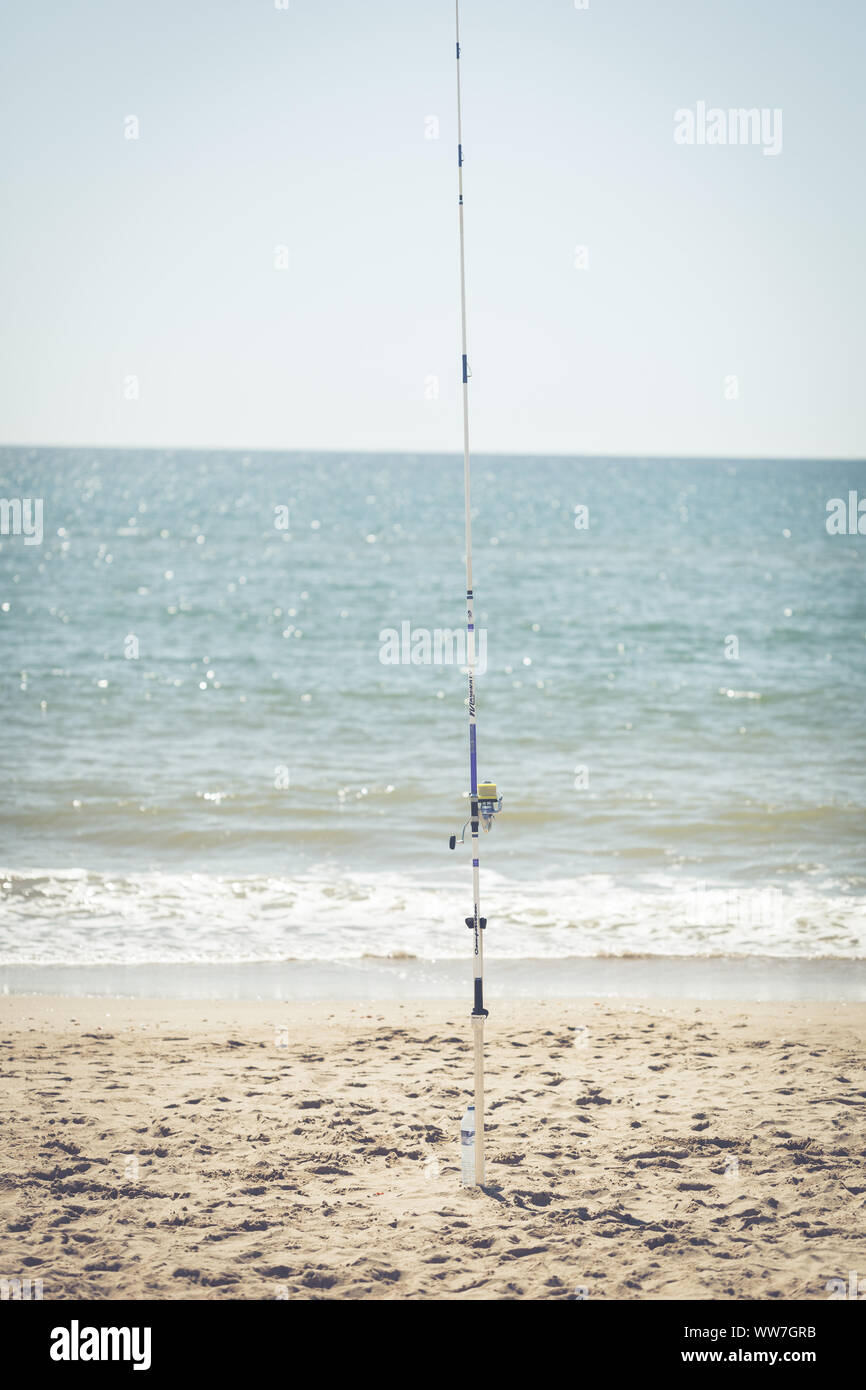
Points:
[(467, 1147)]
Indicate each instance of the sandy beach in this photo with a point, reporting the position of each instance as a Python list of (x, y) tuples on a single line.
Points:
[(174, 1150)]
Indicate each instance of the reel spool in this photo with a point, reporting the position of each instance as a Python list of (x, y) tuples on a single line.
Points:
[(489, 805)]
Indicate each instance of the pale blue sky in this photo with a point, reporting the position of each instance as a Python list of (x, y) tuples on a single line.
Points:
[(262, 127)]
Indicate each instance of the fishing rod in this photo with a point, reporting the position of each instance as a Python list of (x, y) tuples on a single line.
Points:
[(484, 803)]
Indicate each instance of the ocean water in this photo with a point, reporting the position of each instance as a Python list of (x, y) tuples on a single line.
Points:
[(205, 757)]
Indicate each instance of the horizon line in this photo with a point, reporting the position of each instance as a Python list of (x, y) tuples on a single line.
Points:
[(438, 453)]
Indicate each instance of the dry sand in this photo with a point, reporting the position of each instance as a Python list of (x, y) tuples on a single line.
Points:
[(171, 1150)]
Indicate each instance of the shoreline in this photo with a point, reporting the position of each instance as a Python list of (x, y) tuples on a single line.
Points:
[(744, 978)]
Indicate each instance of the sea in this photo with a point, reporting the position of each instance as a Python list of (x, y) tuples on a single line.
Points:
[(235, 729)]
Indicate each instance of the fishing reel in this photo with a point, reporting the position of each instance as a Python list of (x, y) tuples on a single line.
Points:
[(489, 805)]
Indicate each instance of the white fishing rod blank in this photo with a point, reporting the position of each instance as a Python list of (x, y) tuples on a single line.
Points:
[(484, 803)]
